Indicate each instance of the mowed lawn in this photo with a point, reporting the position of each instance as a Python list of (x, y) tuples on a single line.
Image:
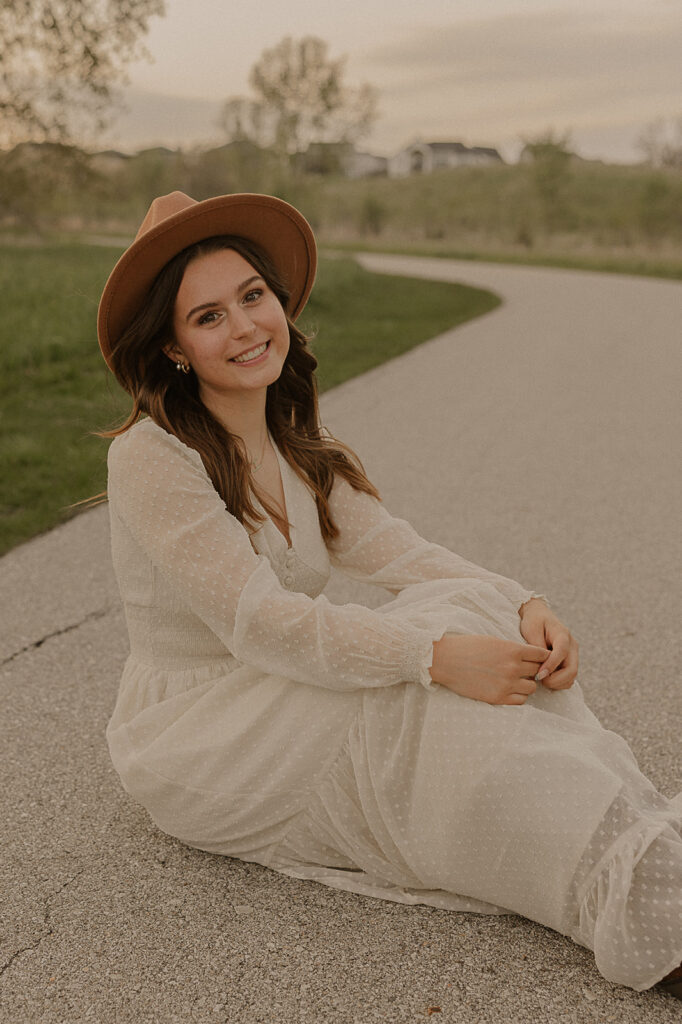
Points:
[(55, 389)]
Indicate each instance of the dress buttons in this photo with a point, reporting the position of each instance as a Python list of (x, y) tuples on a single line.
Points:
[(288, 579)]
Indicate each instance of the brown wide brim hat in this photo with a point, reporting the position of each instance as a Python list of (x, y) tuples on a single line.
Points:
[(175, 221)]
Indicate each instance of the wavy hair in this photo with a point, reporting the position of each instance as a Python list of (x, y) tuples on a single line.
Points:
[(172, 401)]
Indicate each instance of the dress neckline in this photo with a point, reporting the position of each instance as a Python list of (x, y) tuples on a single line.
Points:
[(283, 467)]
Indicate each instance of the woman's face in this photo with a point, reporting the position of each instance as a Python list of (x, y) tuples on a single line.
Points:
[(229, 326)]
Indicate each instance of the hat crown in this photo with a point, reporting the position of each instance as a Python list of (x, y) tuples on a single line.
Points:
[(162, 208)]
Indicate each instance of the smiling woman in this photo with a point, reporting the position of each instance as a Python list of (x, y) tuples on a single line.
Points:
[(388, 752), (236, 344), (210, 305)]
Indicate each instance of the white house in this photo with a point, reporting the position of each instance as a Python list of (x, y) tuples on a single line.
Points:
[(425, 157)]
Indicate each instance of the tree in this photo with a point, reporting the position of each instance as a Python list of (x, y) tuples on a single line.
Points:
[(550, 160), (247, 120), (661, 143), (58, 61), (300, 98)]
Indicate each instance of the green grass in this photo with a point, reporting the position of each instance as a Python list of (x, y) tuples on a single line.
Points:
[(641, 266), (359, 320), (55, 388), (623, 219)]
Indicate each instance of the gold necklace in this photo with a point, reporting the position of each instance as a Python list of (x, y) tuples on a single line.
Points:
[(255, 466)]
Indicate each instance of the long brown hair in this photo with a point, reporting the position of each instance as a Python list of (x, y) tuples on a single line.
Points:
[(172, 401)]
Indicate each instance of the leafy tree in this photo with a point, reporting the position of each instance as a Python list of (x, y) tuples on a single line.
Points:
[(300, 98), (550, 160), (661, 143), (59, 59), (247, 120), (40, 182)]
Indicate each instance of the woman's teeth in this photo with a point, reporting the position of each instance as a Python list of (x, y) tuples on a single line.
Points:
[(253, 353)]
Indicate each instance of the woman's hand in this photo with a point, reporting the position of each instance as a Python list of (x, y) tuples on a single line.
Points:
[(540, 627), (487, 668)]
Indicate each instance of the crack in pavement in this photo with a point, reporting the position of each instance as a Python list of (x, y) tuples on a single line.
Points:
[(46, 924), (57, 632)]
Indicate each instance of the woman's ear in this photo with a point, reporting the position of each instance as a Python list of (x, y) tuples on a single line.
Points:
[(175, 354)]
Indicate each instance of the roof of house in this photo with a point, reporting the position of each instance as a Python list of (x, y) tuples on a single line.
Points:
[(442, 147)]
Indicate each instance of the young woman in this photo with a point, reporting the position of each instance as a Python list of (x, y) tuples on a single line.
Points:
[(436, 750)]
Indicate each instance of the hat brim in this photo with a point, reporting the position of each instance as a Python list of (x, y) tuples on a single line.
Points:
[(277, 227)]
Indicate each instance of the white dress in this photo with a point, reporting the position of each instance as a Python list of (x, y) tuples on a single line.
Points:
[(258, 720)]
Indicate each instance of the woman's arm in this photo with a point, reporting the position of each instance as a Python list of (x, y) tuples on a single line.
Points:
[(162, 496), (376, 547)]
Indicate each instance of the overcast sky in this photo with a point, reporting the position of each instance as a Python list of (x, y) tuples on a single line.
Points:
[(484, 72)]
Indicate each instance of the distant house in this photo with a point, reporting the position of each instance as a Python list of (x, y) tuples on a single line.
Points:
[(425, 157), (158, 152)]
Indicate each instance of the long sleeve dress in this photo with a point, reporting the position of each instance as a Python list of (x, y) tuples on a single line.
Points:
[(258, 720)]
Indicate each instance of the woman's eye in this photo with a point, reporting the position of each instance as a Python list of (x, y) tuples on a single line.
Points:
[(253, 294), (208, 318)]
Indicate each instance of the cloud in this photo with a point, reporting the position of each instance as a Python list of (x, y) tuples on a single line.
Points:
[(539, 46), (496, 78)]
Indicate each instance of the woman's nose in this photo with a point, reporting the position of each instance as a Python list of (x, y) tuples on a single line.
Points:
[(241, 324)]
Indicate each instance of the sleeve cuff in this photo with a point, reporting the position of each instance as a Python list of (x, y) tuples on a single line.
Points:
[(529, 596), (419, 657)]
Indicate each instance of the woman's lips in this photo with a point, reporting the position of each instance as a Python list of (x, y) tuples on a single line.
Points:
[(256, 359)]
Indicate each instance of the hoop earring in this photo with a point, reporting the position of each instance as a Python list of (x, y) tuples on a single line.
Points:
[(185, 367)]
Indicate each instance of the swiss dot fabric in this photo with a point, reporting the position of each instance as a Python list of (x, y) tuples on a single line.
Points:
[(258, 720)]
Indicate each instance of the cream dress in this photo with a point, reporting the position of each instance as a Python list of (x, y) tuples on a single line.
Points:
[(258, 720)]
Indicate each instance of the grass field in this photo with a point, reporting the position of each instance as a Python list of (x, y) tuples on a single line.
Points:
[(641, 264), (55, 388), (616, 218), (575, 213)]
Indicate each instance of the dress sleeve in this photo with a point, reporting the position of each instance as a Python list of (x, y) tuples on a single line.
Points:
[(160, 491), (375, 547)]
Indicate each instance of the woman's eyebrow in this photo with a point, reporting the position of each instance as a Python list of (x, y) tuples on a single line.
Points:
[(209, 305)]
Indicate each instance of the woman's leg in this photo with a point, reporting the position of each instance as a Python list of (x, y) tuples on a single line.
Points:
[(628, 892), (539, 812)]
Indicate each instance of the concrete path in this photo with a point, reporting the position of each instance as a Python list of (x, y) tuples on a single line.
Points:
[(541, 441)]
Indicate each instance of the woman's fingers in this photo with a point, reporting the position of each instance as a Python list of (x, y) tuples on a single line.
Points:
[(561, 645), (565, 675), (536, 655), (533, 631), (559, 680)]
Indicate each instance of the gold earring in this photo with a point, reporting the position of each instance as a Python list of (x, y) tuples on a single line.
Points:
[(185, 367)]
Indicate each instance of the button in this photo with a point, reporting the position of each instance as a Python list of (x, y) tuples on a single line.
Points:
[(288, 579)]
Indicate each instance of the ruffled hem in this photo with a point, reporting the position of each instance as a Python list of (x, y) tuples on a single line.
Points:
[(364, 884), (605, 904)]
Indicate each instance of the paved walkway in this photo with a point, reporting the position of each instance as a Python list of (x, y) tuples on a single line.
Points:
[(542, 441)]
